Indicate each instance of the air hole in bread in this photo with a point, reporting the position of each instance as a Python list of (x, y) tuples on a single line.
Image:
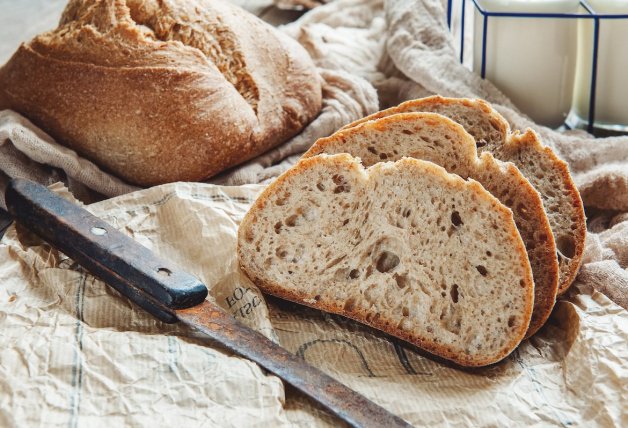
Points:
[(320, 186), (455, 219), (566, 246), (401, 280), (511, 321), (383, 156), (354, 273), (278, 227), (407, 132), (281, 253), (372, 150), (406, 212), (482, 270), (344, 223), (523, 211), (334, 262), (349, 305), (480, 143), (386, 261), (338, 179), (454, 293), (405, 311), (522, 283), (291, 221), (488, 253)]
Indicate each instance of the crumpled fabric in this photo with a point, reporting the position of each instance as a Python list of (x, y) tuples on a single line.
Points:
[(74, 353), (373, 54)]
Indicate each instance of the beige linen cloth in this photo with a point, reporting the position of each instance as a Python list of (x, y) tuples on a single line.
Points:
[(74, 353)]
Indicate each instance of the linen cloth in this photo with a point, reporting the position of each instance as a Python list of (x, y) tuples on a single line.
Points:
[(87, 342), (74, 353)]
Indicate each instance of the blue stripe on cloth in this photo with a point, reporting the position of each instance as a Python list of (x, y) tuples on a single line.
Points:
[(77, 366)]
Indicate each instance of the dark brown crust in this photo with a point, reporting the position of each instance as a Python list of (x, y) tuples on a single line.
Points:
[(361, 316), (500, 123), (545, 295), (153, 111)]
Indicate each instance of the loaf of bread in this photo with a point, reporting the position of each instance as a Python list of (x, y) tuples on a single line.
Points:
[(435, 138), (404, 247), (163, 90), (539, 164)]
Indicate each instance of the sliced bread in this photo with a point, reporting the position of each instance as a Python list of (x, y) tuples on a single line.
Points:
[(435, 138), (404, 247), (548, 174)]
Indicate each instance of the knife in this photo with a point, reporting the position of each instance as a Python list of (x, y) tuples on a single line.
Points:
[(172, 295)]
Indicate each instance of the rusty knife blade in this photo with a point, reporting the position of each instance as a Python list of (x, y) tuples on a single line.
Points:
[(353, 408)]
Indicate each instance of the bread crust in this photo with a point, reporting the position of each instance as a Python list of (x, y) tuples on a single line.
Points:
[(546, 274), (530, 140), (362, 316), (157, 92), (514, 143)]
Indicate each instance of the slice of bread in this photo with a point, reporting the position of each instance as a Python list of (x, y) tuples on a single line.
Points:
[(435, 138), (548, 174), (404, 247)]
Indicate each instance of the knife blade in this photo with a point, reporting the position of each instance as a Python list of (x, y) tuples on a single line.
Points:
[(172, 295)]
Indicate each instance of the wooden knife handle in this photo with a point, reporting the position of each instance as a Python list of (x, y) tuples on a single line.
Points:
[(156, 285)]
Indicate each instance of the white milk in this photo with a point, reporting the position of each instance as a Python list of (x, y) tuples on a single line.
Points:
[(532, 60), (611, 106)]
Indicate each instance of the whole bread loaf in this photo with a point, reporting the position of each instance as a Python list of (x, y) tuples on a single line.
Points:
[(435, 138), (539, 164), (404, 247), (159, 91)]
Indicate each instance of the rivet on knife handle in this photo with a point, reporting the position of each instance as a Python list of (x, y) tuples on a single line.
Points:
[(154, 284)]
